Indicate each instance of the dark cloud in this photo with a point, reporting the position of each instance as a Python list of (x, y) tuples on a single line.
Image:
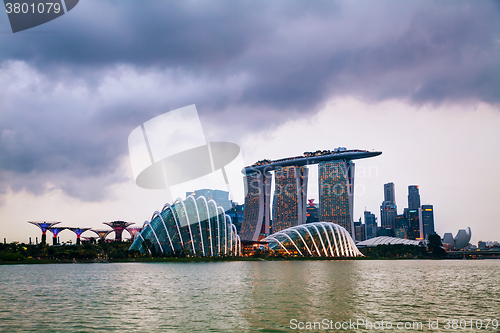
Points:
[(296, 53), (73, 89), (48, 136)]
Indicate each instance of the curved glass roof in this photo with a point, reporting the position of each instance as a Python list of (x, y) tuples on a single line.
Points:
[(318, 239), (189, 227), (385, 240)]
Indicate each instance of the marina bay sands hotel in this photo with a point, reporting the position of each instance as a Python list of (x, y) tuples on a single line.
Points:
[(336, 191)]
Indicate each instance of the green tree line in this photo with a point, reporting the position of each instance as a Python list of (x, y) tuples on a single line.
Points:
[(86, 250)]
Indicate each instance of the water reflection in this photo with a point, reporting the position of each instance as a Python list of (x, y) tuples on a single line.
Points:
[(306, 290), (242, 296)]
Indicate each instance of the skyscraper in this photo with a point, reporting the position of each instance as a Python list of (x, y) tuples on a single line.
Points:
[(360, 231), (388, 213), (220, 197), (401, 230), (336, 193), (388, 209), (426, 216), (256, 219), (370, 225), (413, 197), (236, 214), (389, 193), (290, 197), (412, 217)]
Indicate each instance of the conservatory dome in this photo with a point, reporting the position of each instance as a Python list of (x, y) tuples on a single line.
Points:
[(189, 227), (318, 239)]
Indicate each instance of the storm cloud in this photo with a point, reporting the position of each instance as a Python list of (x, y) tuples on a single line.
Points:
[(73, 89)]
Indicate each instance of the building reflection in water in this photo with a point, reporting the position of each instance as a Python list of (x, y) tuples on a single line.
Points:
[(280, 291)]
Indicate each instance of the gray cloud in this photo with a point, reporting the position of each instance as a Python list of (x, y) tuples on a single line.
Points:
[(70, 97), (296, 53)]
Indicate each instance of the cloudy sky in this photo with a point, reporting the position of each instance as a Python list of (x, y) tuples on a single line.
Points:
[(417, 80)]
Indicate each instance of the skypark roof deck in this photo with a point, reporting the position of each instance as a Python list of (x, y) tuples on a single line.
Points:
[(311, 158)]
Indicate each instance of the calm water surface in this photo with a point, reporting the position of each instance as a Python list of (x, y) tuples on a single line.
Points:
[(245, 296)]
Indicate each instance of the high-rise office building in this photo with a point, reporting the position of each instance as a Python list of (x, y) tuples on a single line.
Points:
[(426, 216), (256, 219), (401, 230), (236, 215), (389, 193), (401, 222), (336, 193), (388, 213), (220, 197), (413, 197), (388, 209), (290, 197), (388, 232), (412, 216), (370, 225), (401, 233), (360, 231)]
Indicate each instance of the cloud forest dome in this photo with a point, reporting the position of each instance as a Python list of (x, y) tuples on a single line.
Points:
[(189, 227), (318, 239)]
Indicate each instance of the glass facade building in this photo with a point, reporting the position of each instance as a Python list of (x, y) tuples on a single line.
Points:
[(236, 215), (360, 231), (318, 239), (189, 227), (290, 197), (388, 209), (412, 216), (256, 216), (401, 230), (389, 193), (220, 197), (388, 213), (413, 197), (371, 226), (426, 216), (336, 193)]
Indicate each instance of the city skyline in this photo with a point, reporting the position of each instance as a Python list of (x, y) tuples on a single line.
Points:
[(418, 81), (289, 208)]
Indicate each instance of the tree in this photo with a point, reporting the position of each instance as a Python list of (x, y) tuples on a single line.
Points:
[(435, 246)]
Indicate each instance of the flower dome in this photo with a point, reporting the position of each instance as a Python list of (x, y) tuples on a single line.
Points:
[(318, 239), (189, 227)]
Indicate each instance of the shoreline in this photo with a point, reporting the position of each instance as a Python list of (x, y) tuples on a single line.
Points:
[(205, 259)]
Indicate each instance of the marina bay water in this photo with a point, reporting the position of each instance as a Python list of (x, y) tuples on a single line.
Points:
[(246, 296)]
